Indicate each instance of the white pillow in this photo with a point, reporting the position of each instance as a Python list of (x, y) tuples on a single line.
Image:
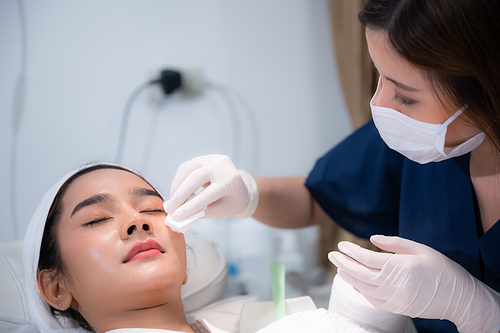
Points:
[(14, 312), (207, 282), (207, 273)]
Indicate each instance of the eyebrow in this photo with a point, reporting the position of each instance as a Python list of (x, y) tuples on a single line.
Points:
[(144, 192), (96, 199), (101, 198), (402, 86), (396, 83)]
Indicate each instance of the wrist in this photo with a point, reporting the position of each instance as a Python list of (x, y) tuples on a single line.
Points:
[(253, 195), (482, 312)]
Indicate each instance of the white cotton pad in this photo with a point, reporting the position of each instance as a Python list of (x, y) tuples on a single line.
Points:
[(182, 226)]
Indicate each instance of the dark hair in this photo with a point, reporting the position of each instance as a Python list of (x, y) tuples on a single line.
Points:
[(457, 45), (50, 253)]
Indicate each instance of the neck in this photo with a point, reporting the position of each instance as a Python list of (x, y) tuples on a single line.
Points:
[(485, 177), (167, 316), (485, 160)]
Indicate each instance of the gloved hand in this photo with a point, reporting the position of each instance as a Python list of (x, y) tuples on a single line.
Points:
[(227, 191), (418, 281)]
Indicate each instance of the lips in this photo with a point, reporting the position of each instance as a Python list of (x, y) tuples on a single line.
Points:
[(144, 249)]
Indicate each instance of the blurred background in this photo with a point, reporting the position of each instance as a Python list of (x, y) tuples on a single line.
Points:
[(268, 94)]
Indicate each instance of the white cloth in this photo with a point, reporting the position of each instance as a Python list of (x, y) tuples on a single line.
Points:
[(141, 330), (318, 321), (212, 328), (347, 301), (39, 309), (151, 330), (181, 226)]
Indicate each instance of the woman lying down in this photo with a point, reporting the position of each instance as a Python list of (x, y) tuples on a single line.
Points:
[(98, 257)]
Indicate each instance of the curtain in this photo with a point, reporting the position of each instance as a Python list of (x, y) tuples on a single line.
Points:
[(358, 82)]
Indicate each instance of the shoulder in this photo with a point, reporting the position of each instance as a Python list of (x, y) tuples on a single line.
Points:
[(363, 151)]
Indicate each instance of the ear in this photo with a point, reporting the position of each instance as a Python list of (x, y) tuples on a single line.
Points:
[(54, 290), (185, 279)]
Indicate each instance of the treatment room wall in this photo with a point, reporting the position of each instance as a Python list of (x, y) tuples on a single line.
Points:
[(271, 63)]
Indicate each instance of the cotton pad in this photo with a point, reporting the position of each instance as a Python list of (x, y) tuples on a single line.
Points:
[(182, 226)]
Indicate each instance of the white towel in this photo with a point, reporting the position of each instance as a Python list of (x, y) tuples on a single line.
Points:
[(39, 309), (317, 321), (182, 226), (347, 301)]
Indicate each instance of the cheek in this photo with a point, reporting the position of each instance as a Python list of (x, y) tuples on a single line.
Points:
[(88, 259), (176, 238), (426, 110), (178, 244)]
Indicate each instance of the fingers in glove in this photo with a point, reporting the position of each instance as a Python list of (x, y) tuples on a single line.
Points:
[(376, 295), (203, 199), (353, 267), (220, 208), (366, 289), (399, 245), (192, 182), (183, 171), (381, 304), (366, 257)]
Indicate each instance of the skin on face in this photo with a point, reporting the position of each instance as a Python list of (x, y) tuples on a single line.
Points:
[(113, 209), (403, 87)]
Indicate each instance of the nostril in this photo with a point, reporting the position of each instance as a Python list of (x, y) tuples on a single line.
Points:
[(130, 230), (145, 227)]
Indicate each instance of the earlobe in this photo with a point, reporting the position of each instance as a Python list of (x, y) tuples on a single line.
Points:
[(54, 290), (185, 279)]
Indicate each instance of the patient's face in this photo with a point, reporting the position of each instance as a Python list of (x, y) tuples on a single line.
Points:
[(118, 253)]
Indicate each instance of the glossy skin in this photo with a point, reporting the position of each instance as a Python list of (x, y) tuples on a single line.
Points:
[(109, 285)]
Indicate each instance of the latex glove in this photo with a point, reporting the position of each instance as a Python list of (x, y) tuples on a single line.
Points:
[(418, 281), (227, 191)]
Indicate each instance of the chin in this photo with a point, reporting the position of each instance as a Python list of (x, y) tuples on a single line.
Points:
[(156, 277), (145, 294), (153, 296)]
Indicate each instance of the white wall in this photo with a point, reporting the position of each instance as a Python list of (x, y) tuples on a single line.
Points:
[(85, 57)]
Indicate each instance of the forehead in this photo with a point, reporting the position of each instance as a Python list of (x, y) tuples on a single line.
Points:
[(380, 48), (389, 62), (111, 181)]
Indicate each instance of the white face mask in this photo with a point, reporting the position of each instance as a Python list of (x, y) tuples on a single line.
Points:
[(419, 141)]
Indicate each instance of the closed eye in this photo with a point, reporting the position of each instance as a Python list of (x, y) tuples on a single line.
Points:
[(96, 221), (404, 101), (156, 210)]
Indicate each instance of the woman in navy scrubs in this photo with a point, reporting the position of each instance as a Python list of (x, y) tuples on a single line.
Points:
[(425, 171)]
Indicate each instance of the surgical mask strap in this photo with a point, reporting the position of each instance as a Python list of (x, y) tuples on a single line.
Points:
[(455, 115), (441, 135)]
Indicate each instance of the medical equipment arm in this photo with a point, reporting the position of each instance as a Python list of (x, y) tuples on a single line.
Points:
[(418, 281), (278, 202)]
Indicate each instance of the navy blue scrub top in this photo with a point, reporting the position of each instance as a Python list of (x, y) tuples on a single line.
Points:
[(368, 188)]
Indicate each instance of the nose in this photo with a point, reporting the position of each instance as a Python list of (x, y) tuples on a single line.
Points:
[(130, 230), (136, 224), (377, 93)]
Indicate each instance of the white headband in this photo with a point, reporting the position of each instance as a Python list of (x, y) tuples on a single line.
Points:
[(39, 309)]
